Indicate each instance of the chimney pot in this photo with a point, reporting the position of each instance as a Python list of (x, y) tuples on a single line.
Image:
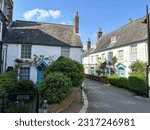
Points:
[(130, 20)]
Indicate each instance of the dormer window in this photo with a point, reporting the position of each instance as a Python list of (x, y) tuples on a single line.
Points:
[(113, 39)]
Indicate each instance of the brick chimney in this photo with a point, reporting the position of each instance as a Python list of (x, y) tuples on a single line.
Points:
[(76, 23), (9, 14), (130, 20), (99, 34), (88, 44)]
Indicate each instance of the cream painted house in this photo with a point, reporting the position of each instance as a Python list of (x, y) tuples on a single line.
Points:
[(127, 43)]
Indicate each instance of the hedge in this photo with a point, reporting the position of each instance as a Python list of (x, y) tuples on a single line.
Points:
[(138, 84), (118, 81), (102, 79), (55, 87)]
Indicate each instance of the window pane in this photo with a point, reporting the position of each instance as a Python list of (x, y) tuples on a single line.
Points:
[(110, 56), (120, 55), (134, 52), (26, 51), (103, 57), (65, 51), (24, 73)]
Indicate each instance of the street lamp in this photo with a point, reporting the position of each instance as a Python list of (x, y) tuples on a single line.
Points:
[(146, 21)]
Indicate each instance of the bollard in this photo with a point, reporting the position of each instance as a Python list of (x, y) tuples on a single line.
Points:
[(45, 106)]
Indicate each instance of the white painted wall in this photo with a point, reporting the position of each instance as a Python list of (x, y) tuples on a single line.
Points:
[(76, 54), (86, 63), (141, 55), (14, 52)]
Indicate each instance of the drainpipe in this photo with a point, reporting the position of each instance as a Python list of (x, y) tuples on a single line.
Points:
[(6, 58)]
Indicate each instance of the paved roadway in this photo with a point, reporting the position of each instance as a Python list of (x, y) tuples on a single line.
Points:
[(106, 99)]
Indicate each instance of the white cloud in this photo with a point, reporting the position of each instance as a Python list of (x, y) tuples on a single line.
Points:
[(55, 13), (40, 14)]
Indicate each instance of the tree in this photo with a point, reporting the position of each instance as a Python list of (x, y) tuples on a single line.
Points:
[(69, 67), (138, 68), (103, 66), (113, 62)]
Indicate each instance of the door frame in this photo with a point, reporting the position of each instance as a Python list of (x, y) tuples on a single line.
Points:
[(118, 66), (37, 66)]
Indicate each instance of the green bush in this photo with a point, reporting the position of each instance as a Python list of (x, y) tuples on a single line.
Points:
[(55, 87), (118, 81), (25, 86), (68, 67), (137, 83), (8, 82), (102, 79), (113, 80), (138, 68)]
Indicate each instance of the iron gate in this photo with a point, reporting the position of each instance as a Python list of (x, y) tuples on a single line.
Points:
[(20, 102)]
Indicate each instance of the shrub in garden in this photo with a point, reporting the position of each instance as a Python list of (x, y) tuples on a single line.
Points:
[(137, 83), (55, 87), (138, 68), (68, 67), (8, 82), (25, 86), (81, 72)]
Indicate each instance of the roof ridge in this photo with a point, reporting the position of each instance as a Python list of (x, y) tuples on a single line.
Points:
[(23, 21), (122, 27), (125, 32)]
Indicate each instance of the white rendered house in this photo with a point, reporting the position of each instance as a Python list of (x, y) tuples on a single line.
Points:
[(30, 47), (128, 44)]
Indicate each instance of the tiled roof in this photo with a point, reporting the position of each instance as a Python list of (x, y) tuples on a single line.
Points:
[(133, 32), (27, 32), (86, 53)]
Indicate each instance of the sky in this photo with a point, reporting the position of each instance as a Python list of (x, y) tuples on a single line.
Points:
[(94, 14)]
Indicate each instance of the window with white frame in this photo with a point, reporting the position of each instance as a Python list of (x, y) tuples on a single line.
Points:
[(92, 59), (113, 39), (133, 52), (97, 58), (26, 51), (110, 56), (103, 57), (24, 73), (65, 51), (120, 55)]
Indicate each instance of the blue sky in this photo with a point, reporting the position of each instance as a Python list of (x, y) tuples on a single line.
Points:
[(106, 14)]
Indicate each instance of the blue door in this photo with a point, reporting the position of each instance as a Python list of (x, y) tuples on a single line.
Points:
[(40, 73), (121, 70)]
